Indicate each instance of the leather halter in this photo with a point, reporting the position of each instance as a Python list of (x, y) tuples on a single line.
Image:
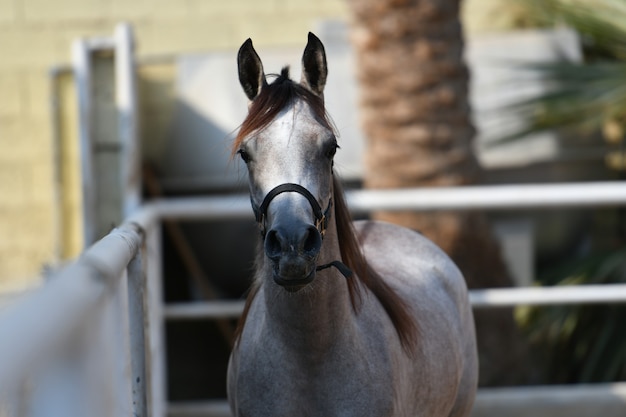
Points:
[(321, 217)]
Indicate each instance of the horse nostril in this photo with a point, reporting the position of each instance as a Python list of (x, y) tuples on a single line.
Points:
[(273, 247), (305, 241), (312, 241)]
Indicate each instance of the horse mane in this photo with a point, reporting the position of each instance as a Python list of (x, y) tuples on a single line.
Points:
[(364, 275), (271, 100)]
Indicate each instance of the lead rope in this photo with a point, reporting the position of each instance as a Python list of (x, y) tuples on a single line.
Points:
[(341, 267)]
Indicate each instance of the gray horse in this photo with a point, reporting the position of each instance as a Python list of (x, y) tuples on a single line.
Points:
[(343, 319)]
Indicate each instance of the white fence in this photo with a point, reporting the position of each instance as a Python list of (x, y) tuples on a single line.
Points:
[(108, 305), (81, 334)]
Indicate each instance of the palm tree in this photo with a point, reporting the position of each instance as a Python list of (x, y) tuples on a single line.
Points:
[(416, 118)]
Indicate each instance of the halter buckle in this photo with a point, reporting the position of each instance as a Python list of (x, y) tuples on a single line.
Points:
[(320, 224)]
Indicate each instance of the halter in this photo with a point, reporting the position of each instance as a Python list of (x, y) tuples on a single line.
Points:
[(321, 217)]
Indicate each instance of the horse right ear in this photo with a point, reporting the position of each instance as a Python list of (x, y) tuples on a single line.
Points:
[(314, 67), (251, 75)]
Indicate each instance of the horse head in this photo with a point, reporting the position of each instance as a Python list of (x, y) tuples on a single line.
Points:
[(288, 145)]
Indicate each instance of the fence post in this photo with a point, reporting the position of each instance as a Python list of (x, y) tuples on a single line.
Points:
[(137, 318), (107, 100), (127, 118), (156, 358), (81, 66), (117, 329)]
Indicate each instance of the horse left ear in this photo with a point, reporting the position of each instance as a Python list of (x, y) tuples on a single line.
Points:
[(314, 68)]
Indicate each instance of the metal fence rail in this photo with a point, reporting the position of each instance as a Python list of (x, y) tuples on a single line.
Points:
[(81, 311), (588, 400), (483, 197), (108, 303), (607, 399), (500, 197), (487, 298)]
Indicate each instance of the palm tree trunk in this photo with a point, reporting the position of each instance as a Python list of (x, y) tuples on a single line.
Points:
[(416, 118)]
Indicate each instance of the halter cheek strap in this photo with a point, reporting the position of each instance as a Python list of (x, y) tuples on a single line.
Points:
[(321, 217)]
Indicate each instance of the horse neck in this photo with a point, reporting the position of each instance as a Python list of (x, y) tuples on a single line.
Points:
[(317, 316)]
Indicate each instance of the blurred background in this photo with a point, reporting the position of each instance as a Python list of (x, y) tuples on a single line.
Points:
[(441, 93)]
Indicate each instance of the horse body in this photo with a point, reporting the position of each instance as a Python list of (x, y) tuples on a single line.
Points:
[(309, 355), (394, 339)]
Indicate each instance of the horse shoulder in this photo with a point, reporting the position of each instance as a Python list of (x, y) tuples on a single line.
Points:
[(406, 258)]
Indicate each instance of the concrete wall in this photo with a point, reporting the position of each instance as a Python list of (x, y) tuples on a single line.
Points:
[(35, 35)]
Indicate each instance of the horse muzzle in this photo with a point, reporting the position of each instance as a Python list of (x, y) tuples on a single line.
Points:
[(293, 250)]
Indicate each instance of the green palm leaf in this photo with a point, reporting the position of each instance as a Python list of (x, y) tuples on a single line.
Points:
[(579, 96)]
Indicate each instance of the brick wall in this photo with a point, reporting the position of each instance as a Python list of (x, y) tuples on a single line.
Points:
[(35, 36)]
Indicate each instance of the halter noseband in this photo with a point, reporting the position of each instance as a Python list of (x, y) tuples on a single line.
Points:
[(321, 217)]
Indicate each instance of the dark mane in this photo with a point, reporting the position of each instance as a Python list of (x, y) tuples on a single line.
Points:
[(272, 99), (352, 255)]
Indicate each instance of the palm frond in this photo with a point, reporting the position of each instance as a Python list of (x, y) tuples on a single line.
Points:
[(578, 96)]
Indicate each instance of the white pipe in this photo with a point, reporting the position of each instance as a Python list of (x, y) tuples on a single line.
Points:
[(204, 310), (488, 298), (126, 102), (496, 197), (81, 65), (558, 295), (156, 370), (212, 408), (207, 208), (138, 318), (32, 329), (607, 400)]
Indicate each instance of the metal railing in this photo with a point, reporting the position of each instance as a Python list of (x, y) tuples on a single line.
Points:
[(109, 302), (93, 308)]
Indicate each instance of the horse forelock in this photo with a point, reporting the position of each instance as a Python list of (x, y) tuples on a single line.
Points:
[(275, 97)]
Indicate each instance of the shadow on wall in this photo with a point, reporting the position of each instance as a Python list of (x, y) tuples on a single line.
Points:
[(197, 152)]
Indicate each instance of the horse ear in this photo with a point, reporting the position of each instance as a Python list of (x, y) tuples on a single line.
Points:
[(314, 68), (251, 75)]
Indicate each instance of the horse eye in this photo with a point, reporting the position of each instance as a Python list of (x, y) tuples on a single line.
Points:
[(244, 155), (331, 150)]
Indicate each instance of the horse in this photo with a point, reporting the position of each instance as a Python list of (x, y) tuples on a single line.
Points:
[(343, 318)]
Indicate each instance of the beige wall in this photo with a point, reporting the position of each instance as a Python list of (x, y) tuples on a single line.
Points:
[(481, 16), (35, 36)]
